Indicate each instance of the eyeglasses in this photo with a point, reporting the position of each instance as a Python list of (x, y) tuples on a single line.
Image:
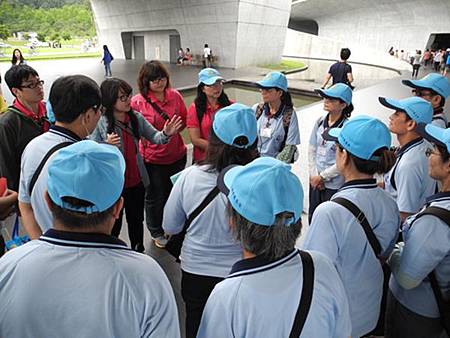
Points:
[(124, 97), (430, 151), (421, 93), (33, 85), (216, 84), (159, 79)]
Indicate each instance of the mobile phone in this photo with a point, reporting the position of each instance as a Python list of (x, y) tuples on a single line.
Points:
[(3, 186)]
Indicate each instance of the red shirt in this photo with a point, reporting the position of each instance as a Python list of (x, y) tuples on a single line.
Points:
[(173, 104), (39, 118), (204, 126), (132, 175)]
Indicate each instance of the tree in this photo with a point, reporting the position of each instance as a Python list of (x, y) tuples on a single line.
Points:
[(41, 36), (4, 32), (66, 36)]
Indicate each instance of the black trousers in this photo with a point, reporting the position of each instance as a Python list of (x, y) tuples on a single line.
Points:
[(195, 290), (402, 322), (415, 71), (316, 197), (158, 192), (133, 199)]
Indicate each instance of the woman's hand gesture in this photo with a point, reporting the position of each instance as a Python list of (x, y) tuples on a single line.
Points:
[(173, 126)]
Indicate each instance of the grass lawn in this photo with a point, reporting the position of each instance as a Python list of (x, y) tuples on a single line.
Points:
[(285, 65)]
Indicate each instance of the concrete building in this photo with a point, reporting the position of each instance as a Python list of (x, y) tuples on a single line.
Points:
[(239, 32)]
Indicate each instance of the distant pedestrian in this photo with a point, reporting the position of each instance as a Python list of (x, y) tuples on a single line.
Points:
[(416, 64), (341, 71), (207, 56), (426, 57), (436, 60), (447, 62), (180, 56), (17, 58), (107, 59)]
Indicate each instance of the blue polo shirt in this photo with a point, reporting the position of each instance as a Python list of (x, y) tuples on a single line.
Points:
[(209, 247), (336, 233), (427, 248), (408, 181), (70, 284), (260, 299), (271, 131), (325, 151)]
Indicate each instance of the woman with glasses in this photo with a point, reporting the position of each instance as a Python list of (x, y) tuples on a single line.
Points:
[(420, 265), (158, 102), (17, 58), (210, 98), (123, 127), (336, 232), (324, 178), (278, 132)]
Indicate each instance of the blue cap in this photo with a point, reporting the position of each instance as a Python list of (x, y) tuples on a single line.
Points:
[(262, 189), (88, 171), (274, 80), (361, 136), (234, 121), (418, 109), (435, 82), (338, 91), (435, 134), (209, 76)]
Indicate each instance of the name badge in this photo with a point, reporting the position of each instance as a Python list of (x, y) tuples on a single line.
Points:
[(266, 132)]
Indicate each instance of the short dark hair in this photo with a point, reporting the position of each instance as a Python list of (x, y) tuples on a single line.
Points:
[(17, 74), (71, 96), (271, 242), (76, 219), (445, 155), (385, 162), (345, 53), (151, 71), (220, 155)]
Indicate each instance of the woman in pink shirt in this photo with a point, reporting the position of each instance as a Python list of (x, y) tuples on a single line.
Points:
[(158, 102), (210, 98)]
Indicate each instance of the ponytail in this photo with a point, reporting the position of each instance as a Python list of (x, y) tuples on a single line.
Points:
[(347, 111), (385, 162)]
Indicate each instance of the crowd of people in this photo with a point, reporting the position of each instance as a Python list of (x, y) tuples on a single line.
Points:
[(375, 260)]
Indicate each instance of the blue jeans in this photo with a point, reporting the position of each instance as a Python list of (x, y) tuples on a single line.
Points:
[(108, 69)]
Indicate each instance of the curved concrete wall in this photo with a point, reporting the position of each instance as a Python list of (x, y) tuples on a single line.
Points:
[(239, 32), (403, 24)]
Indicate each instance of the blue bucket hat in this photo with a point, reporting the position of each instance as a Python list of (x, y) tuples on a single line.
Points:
[(418, 109), (435, 134), (209, 76), (338, 91), (361, 136), (234, 121), (89, 171), (262, 189), (274, 80), (435, 82)]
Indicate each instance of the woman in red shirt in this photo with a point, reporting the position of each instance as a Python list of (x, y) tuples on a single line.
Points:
[(158, 102), (210, 98)]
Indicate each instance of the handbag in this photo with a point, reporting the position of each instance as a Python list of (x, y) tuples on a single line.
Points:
[(175, 242)]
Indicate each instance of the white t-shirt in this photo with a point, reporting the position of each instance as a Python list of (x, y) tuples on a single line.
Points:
[(206, 52)]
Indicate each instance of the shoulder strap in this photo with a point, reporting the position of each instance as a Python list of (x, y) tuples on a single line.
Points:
[(126, 128), (306, 295), (208, 199), (259, 110), (361, 218), (441, 213), (42, 164), (287, 115), (158, 110)]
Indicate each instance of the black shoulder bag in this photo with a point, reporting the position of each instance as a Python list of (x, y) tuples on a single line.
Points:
[(443, 305), (175, 242), (158, 110), (376, 247), (306, 295)]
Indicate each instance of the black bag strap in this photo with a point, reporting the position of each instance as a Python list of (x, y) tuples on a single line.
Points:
[(361, 218), (42, 164), (158, 110), (441, 213), (306, 295), (208, 199)]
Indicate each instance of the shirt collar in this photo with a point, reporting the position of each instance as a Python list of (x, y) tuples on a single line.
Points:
[(409, 145), (82, 239), (367, 183), (65, 132), (336, 124), (278, 113), (259, 263), (440, 195)]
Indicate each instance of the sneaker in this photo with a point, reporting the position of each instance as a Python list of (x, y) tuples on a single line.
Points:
[(160, 241)]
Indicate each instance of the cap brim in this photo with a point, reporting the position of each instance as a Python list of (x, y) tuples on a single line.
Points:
[(212, 80), (431, 133), (417, 84), (322, 93), (268, 84), (224, 183), (331, 134), (391, 103)]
